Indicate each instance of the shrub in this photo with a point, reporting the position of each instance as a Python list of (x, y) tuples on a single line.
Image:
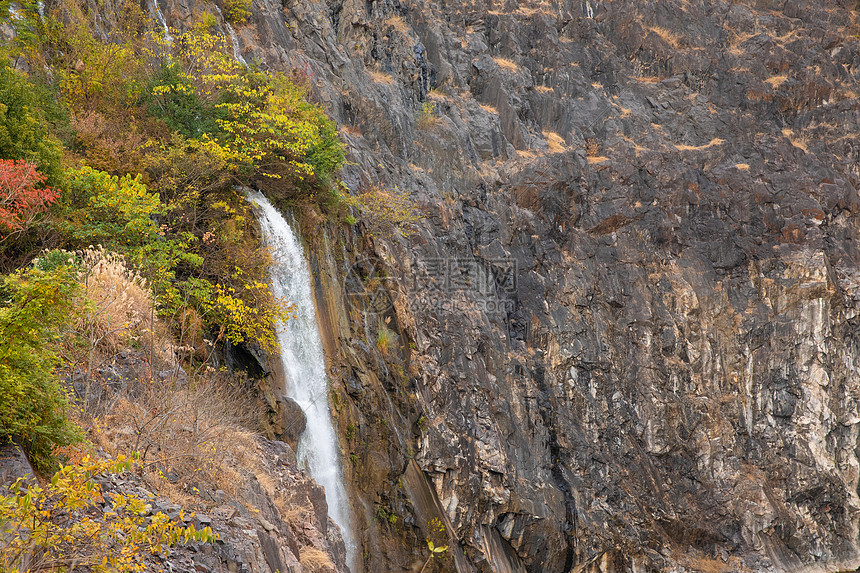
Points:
[(54, 529), (109, 209), (118, 213), (32, 403), (198, 430), (237, 10), (427, 118), (171, 98), (250, 315), (385, 212), (255, 121), (385, 337), (22, 196), (315, 560), (25, 132)]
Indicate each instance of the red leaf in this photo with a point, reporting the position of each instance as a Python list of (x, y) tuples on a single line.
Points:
[(21, 195)]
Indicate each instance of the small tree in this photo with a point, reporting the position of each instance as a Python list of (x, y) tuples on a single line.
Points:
[(35, 305), (438, 532), (434, 552), (58, 528), (22, 196), (25, 129)]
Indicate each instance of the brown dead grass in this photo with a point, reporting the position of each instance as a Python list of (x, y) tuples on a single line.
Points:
[(315, 560), (598, 159), (380, 77), (122, 308), (507, 65), (555, 142), (398, 24), (638, 149), (777, 81), (708, 565), (353, 130), (199, 432), (667, 36), (544, 89), (797, 140), (735, 43), (489, 109), (714, 142), (294, 515), (743, 166), (532, 10)]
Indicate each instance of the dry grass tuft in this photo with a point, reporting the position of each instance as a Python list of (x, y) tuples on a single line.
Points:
[(735, 44), (122, 308), (532, 10), (353, 130), (544, 89), (555, 142), (667, 36), (712, 143), (315, 560), (709, 565), (385, 338), (507, 65), (743, 166), (777, 81), (398, 24), (598, 159), (489, 109), (380, 77), (294, 515), (799, 141)]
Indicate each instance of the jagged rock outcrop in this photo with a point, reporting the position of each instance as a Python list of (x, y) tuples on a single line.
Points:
[(626, 328)]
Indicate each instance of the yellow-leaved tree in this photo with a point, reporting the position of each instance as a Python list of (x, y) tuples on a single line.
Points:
[(60, 528)]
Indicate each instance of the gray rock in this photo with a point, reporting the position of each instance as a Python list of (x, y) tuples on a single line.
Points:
[(14, 465)]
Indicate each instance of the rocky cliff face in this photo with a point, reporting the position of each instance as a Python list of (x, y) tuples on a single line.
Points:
[(625, 332)]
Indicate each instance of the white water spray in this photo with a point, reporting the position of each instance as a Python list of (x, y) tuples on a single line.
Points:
[(156, 12), (304, 365), (237, 52)]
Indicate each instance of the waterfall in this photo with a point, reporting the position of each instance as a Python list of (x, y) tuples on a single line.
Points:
[(156, 12), (237, 53), (304, 365)]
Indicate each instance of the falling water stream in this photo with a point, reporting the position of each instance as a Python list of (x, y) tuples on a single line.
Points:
[(155, 9), (304, 365), (237, 52)]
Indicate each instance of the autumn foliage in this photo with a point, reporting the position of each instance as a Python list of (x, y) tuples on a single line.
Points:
[(22, 196), (59, 527)]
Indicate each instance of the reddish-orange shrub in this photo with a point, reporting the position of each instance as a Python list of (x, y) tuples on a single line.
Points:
[(22, 196)]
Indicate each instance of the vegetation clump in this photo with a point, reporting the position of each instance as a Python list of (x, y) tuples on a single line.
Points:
[(51, 528), (36, 307), (122, 168)]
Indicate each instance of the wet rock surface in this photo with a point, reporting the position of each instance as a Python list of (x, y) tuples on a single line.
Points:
[(626, 327)]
